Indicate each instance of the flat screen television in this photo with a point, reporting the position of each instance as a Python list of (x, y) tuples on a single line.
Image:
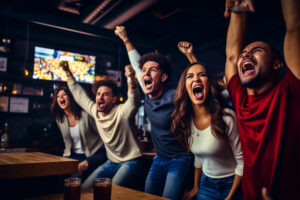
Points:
[(46, 65)]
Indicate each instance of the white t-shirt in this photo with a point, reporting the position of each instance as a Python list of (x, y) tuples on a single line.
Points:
[(218, 159), (74, 131)]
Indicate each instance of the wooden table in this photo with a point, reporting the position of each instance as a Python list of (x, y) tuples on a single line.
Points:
[(118, 193), (33, 164)]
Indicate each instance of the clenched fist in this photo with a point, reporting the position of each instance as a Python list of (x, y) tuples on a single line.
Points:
[(185, 47), (120, 31), (64, 65), (83, 166)]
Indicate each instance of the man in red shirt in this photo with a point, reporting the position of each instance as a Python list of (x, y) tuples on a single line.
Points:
[(267, 105)]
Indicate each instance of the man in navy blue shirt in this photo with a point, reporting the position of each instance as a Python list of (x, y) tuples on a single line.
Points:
[(167, 175)]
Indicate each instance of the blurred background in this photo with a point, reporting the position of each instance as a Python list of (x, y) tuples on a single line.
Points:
[(82, 30)]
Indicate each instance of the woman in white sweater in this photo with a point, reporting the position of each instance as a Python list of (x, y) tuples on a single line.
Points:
[(203, 125), (79, 132)]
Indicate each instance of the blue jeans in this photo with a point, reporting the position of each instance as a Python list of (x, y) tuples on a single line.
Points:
[(216, 189), (167, 176), (121, 173)]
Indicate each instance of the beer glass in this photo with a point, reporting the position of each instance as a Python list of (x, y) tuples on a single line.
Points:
[(102, 189), (72, 189)]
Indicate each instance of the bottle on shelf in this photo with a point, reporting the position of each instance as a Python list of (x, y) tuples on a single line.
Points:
[(4, 137)]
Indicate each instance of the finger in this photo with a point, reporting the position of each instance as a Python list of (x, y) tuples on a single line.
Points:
[(228, 6), (265, 194), (188, 45), (237, 2), (251, 6), (180, 44)]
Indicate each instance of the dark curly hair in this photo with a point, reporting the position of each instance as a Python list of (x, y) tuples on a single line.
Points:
[(108, 83), (164, 63), (183, 113), (57, 112)]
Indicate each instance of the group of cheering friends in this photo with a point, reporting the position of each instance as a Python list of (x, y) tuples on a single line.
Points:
[(250, 151)]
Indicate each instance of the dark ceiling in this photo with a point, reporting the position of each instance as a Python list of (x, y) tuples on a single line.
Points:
[(86, 26), (150, 23)]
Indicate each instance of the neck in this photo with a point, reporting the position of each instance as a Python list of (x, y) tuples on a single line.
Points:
[(106, 112), (201, 117), (158, 93), (262, 89), (68, 112)]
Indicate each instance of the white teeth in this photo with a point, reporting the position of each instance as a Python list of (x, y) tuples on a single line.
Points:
[(246, 63), (197, 86)]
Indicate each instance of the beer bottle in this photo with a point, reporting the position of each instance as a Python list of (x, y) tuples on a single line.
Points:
[(4, 137)]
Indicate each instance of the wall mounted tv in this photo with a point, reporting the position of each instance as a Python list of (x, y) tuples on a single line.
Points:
[(46, 65)]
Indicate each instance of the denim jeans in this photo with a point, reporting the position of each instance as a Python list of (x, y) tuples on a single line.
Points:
[(121, 173), (99, 158), (167, 176), (216, 189)]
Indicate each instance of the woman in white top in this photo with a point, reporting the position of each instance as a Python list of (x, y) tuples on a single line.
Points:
[(203, 125), (79, 132)]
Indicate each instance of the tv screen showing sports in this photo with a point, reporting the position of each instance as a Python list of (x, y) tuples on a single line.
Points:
[(46, 65)]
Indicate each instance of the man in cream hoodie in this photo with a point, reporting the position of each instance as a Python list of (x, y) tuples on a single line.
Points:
[(115, 124)]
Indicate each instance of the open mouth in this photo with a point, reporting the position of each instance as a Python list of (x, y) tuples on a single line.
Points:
[(198, 91), (100, 104), (62, 102), (148, 83), (247, 68)]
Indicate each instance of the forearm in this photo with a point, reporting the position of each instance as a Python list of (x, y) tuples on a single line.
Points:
[(197, 176), (129, 46), (134, 58), (191, 57), (291, 14), (235, 39), (130, 107), (80, 95), (235, 186)]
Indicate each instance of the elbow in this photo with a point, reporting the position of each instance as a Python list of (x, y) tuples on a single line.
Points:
[(294, 29), (231, 58)]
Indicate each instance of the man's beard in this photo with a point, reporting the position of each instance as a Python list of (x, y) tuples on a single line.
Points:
[(255, 82)]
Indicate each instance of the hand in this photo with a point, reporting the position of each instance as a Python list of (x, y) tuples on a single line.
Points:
[(64, 65), (129, 71), (238, 6), (130, 75), (83, 166), (185, 47), (189, 195), (120, 31), (265, 194)]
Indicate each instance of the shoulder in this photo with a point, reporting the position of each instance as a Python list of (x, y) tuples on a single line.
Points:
[(169, 94), (230, 116), (84, 115), (234, 84)]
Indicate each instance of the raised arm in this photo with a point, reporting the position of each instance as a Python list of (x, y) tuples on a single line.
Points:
[(235, 39), (187, 49), (78, 92), (130, 107), (291, 14), (133, 54), (120, 31)]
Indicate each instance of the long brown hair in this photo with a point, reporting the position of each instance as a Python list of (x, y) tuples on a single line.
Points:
[(57, 112), (183, 113)]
